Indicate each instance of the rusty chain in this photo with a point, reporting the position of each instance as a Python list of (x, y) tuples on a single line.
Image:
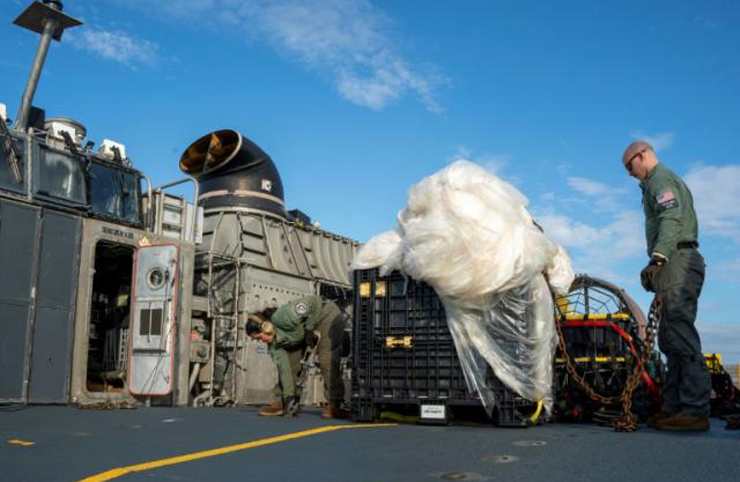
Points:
[(626, 421)]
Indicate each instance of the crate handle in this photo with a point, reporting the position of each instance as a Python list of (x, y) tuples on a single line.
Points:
[(402, 342)]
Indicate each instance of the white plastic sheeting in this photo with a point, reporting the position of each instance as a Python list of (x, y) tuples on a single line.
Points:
[(468, 234)]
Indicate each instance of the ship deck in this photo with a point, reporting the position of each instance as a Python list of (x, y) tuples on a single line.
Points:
[(64, 444)]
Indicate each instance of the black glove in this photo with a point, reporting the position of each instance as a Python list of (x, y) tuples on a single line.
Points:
[(310, 338), (649, 274), (290, 406)]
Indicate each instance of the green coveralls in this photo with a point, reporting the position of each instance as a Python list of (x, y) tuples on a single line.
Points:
[(671, 230), (291, 322)]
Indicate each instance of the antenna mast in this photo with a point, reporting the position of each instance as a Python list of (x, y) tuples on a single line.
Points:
[(48, 20)]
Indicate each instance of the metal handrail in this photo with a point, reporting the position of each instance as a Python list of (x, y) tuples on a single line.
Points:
[(195, 199)]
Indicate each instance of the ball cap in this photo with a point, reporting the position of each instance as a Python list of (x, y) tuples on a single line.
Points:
[(256, 318), (633, 149)]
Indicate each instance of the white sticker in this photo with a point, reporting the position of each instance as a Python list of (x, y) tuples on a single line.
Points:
[(436, 412), (266, 185)]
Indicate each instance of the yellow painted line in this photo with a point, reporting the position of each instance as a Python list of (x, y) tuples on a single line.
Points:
[(114, 473), (23, 443)]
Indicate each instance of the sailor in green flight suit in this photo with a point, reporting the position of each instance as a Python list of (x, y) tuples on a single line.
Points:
[(675, 273), (288, 328)]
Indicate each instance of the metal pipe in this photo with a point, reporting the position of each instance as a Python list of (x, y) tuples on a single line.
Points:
[(50, 26), (195, 209), (235, 394), (194, 376), (212, 354), (158, 212), (150, 218), (176, 183)]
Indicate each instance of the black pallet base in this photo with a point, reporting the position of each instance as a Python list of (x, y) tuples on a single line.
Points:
[(512, 414)]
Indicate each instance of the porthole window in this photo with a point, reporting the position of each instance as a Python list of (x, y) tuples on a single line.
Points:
[(155, 278)]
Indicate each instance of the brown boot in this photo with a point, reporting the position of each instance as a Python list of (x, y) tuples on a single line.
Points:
[(684, 421), (274, 410), (333, 410), (653, 420)]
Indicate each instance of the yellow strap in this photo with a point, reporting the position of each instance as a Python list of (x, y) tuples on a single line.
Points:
[(598, 359), (537, 412), (596, 316)]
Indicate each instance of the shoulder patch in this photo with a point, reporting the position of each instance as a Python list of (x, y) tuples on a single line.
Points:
[(666, 199), (300, 308)]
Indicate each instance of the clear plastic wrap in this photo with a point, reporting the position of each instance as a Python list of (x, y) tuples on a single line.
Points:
[(384, 250), (560, 272), (468, 234)]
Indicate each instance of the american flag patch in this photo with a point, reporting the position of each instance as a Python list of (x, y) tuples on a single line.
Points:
[(666, 200), (665, 197)]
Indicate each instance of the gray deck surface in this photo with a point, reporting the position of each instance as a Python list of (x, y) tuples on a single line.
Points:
[(72, 444)]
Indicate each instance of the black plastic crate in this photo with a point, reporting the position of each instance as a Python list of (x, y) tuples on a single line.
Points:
[(404, 355)]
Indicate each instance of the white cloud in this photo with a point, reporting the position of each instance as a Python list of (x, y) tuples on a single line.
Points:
[(587, 186), (600, 196), (621, 238), (461, 152), (349, 40), (722, 338), (194, 8), (627, 235), (716, 191), (660, 141), (496, 164), (598, 251), (604, 235), (118, 46), (568, 232), (601, 248), (727, 270), (493, 163)]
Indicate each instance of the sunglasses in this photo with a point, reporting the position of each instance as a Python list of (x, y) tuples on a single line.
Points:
[(628, 164)]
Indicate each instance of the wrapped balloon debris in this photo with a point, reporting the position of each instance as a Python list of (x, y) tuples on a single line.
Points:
[(468, 234)]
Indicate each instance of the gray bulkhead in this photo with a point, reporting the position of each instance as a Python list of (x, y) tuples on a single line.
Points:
[(261, 260), (38, 254)]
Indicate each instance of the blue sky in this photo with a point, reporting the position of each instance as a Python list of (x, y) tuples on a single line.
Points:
[(357, 100)]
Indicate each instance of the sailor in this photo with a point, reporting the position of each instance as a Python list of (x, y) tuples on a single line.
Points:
[(292, 325), (676, 274)]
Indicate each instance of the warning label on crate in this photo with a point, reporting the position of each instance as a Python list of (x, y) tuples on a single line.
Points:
[(434, 412)]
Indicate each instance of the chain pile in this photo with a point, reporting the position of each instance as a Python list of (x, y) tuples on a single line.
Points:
[(626, 421)]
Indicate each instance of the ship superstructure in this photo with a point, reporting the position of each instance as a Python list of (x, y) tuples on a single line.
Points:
[(114, 291)]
